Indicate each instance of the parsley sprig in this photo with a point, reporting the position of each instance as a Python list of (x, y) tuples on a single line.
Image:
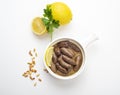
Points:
[(48, 20)]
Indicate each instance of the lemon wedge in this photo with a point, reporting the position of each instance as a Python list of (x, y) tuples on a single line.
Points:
[(48, 55), (38, 26)]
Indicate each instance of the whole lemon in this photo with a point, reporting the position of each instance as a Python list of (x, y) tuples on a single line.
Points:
[(61, 12)]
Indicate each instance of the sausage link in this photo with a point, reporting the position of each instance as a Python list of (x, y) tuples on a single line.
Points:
[(54, 58), (68, 60), (71, 51), (74, 47), (63, 44), (57, 51), (60, 73), (66, 52), (61, 69), (63, 63), (53, 67), (78, 63)]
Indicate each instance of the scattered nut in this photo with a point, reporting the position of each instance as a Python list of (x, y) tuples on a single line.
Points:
[(39, 79), (31, 78), (36, 54), (35, 83), (30, 53), (34, 50), (46, 70), (25, 75), (33, 62), (31, 71), (29, 63), (37, 75)]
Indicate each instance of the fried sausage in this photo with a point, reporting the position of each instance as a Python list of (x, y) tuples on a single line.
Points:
[(78, 63), (61, 69), (63, 63), (68, 60), (71, 51), (57, 51), (54, 58), (74, 47), (63, 44), (60, 73), (66, 52), (53, 67)]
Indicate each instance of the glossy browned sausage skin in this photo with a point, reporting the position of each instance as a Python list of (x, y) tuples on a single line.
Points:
[(74, 47), (54, 58), (71, 51), (63, 63), (66, 52), (68, 60), (53, 67), (78, 63), (60, 73), (57, 51), (63, 44), (61, 69)]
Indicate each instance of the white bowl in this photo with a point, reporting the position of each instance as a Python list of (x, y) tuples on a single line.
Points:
[(76, 73)]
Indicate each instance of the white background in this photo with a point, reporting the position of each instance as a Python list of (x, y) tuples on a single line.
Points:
[(101, 75)]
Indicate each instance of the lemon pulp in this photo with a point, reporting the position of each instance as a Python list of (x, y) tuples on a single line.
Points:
[(38, 26), (48, 55)]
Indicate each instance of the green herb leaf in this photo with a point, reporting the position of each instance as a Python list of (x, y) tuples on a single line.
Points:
[(56, 23), (47, 12), (48, 20), (45, 21)]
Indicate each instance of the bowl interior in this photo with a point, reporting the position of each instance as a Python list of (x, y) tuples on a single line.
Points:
[(81, 67)]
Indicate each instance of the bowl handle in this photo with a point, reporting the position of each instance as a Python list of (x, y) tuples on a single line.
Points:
[(90, 39)]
